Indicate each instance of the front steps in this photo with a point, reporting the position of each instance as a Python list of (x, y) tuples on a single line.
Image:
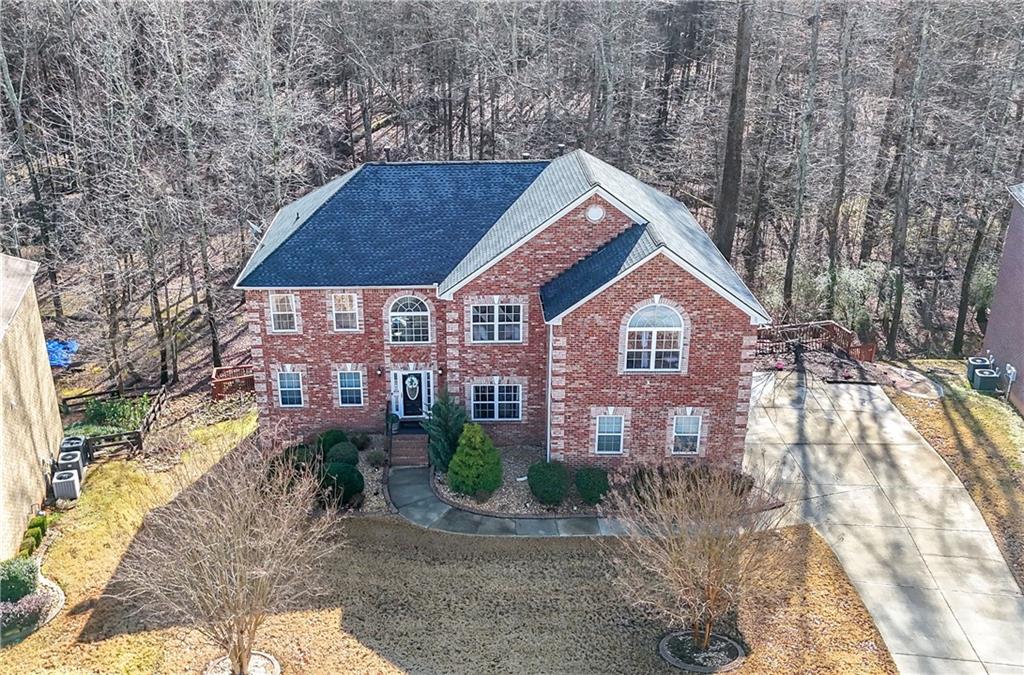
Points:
[(409, 449)]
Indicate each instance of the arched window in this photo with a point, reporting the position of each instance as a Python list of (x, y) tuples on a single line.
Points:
[(410, 320), (654, 339)]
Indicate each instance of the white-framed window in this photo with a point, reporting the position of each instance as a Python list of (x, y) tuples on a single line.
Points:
[(289, 390), (497, 323), (344, 311), (282, 313), (497, 402), (350, 388), (410, 320), (654, 339), (609, 435), (685, 434)]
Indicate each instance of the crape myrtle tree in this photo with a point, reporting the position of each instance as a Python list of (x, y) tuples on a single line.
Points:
[(697, 540), (243, 541)]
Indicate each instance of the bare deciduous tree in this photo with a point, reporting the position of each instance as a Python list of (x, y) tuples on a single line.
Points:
[(697, 541), (237, 544)]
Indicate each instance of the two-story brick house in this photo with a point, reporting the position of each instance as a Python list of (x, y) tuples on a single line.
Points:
[(565, 303)]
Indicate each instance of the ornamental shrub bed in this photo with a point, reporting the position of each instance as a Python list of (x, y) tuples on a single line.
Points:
[(361, 440), (549, 482), (25, 613)]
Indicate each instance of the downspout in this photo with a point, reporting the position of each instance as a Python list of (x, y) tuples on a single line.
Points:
[(548, 393)]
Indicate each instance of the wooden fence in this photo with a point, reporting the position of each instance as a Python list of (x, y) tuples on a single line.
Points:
[(813, 336), (78, 403), (132, 441)]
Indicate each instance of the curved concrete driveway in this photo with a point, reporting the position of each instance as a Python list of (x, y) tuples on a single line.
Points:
[(905, 529)]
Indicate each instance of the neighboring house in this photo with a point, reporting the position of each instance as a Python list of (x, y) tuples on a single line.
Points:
[(30, 425), (1004, 335), (566, 303)]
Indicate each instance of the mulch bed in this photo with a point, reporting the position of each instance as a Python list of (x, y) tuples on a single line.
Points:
[(514, 496)]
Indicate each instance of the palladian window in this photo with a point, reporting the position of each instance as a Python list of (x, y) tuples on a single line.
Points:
[(654, 339), (410, 320)]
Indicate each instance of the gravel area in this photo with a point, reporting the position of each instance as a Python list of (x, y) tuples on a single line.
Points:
[(514, 496), (373, 489)]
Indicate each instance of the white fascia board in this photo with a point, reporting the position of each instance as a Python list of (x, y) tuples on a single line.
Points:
[(596, 190), (756, 319)]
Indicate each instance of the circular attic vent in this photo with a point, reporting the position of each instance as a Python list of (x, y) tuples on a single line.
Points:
[(595, 213)]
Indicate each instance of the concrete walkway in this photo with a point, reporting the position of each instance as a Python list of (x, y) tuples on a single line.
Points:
[(411, 494), (905, 529)]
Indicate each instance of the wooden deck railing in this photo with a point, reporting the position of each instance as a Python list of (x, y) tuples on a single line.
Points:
[(812, 336), (232, 379)]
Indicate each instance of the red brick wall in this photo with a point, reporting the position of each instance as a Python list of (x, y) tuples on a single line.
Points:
[(717, 379), (521, 274), (586, 353)]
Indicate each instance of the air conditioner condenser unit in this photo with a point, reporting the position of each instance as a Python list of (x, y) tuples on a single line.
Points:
[(66, 485)]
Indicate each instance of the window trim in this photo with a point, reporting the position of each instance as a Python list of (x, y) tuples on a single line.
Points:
[(495, 323), (495, 402), (621, 435), (337, 381), (700, 428), (653, 349), (335, 312), (392, 314), (272, 328), (280, 390)]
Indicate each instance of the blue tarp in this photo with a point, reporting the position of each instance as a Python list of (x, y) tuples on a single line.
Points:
[(60, 352)]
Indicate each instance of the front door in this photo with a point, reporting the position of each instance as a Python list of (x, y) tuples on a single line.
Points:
[(412, 394)]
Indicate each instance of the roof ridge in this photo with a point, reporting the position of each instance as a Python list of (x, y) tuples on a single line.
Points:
[(587, 173), (445, 162)]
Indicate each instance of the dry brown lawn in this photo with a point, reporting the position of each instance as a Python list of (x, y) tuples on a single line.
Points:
[(409, 600), (982, 440)]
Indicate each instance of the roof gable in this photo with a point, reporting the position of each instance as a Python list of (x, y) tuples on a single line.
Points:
[(387, 224)]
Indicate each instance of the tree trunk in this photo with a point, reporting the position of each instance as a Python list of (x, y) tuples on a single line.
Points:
[(965, 284), (846, 128), (732, 171), (802, 162)]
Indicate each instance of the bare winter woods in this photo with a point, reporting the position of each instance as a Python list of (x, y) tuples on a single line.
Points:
[(851, 159)]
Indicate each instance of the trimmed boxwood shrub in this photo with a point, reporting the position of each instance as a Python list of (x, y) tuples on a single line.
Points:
[(40, 522), (361, 440), (25, 613), (592, 484), (549, 481), (35, 534), (344, 453), (300, 456), (18, 578), (342, 483), (330, 438), (475, 468), (27, 548)]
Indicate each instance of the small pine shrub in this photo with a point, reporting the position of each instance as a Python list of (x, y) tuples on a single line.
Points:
[(35, 534), (330, 438), (342, 483), (549, 482), (592, 484), (444, 429), (344, 452), (25, 613), (376, 458), (40, 522), (18, 578), (475, 468), (361, 440)]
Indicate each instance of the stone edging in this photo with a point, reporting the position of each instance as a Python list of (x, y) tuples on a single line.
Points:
[(55, 608), (496, 514)]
